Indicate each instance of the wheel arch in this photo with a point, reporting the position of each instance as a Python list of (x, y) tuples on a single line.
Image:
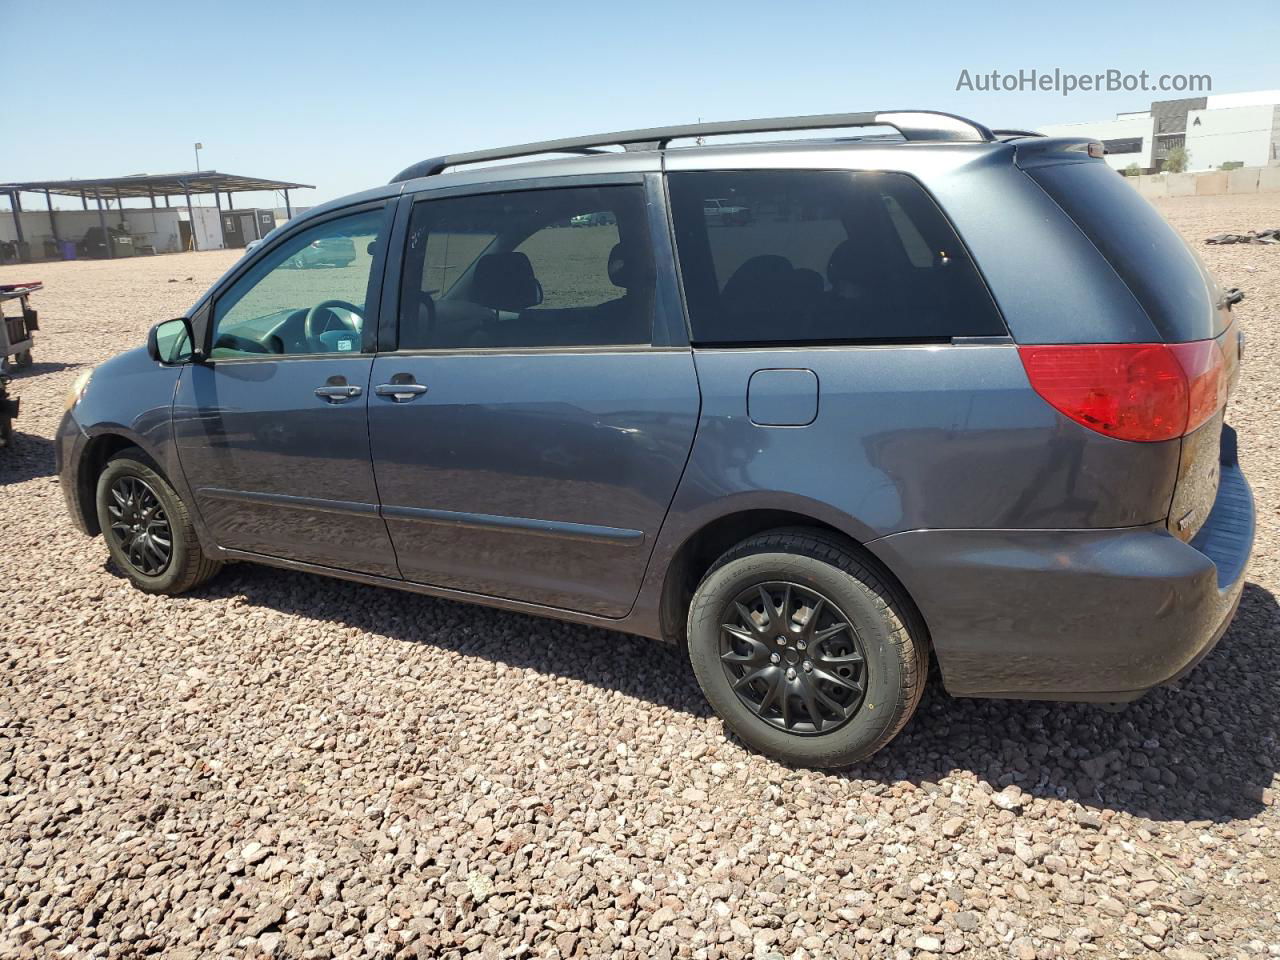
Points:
[(93, 460), (707, 543)]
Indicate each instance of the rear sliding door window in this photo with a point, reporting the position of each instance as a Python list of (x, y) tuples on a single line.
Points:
[(569, 267), (822, 257)]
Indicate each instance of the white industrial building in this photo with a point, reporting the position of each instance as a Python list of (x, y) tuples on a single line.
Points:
[(1231, 129)]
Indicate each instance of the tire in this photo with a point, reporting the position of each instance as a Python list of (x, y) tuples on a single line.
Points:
[(186, 566), (882, 648)]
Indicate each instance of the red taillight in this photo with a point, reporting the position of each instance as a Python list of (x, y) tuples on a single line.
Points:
[(1206, 368), (1131, 391)]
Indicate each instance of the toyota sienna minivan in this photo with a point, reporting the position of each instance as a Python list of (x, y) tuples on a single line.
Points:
[(947, 395)]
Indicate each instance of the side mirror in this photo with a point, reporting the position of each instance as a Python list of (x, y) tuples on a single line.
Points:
[(170, 341)]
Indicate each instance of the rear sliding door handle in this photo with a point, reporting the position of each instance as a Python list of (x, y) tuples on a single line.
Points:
[(400, 392)]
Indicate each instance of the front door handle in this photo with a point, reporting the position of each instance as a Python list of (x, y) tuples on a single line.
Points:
[(338, 393), (401, 389)]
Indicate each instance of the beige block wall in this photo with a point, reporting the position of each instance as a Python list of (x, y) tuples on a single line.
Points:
[(1211, 184), (1151, 185), (1244, 180)]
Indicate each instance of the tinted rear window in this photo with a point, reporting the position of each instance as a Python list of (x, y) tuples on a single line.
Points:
[(1151, 258), (822, 257)]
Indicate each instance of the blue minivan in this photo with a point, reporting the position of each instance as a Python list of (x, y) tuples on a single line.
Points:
[(946, 394)]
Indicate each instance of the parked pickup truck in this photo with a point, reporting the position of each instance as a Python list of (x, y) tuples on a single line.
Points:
[(726, 212)]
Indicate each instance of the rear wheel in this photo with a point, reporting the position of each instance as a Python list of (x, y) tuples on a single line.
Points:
[(804, 650), (147, 528)]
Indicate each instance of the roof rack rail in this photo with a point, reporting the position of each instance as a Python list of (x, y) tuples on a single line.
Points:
[(912, 124)]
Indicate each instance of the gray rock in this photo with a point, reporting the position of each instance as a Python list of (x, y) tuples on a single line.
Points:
[(268, 916)]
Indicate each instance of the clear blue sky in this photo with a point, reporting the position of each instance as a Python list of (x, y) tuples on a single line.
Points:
[(343, 95)]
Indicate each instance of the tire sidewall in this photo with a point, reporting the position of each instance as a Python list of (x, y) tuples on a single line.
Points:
[(879, 712), (129, 466)]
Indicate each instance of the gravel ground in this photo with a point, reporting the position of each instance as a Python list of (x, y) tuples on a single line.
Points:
[(283, 765)]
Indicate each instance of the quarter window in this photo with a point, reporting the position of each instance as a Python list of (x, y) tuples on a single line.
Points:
[(822, 257), (537, 268), (306, 296)]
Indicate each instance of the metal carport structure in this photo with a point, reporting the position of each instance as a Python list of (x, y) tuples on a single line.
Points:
[(144, 186)]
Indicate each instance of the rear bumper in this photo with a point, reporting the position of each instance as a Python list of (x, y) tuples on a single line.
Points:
[(1101, 615)]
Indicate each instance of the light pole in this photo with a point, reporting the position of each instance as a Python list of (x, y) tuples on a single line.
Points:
[(199, 147)]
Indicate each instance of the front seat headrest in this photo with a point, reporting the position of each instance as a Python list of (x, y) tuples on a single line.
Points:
[(505, 281)]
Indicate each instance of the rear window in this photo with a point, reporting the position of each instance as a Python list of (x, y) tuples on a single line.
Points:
[(1163, 273), (822, 257)]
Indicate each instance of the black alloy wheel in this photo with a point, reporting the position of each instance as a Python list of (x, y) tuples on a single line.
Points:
[(793, 658), (140, 525)]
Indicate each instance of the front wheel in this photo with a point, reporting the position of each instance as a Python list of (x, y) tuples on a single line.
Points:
[(804, 649), (147, 528)]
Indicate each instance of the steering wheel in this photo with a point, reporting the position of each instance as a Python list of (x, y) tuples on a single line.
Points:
[(311, 323)]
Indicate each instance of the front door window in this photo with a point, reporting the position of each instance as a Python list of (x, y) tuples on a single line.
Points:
[(306, 296)]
